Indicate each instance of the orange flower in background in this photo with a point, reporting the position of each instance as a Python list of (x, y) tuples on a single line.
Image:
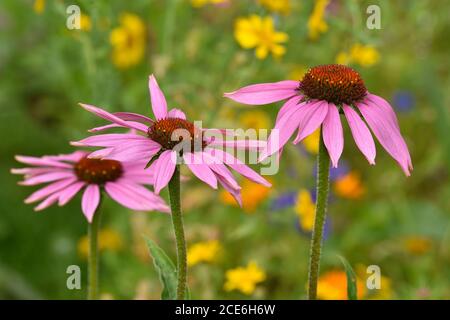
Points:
[(349, 186), (333, 286), (417, 244), (253, 195)]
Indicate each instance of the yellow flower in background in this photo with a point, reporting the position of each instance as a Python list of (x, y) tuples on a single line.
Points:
[(85, 22), (206, 251), (108, 239), (417, 244), (365, 56), (343, 58), (311, 142), (277, 6), (255, 119), (305, 210), (385, 291), (349, 186), (333, 286), (201, 3), (298, 72), (39, 6), (253, 194), (128, 41), (244, 279), (257, 32), (316, 21)]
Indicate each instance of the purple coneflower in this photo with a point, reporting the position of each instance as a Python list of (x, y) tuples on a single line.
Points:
[(316, 101), (323, 93), (158, 144), (69, 174)]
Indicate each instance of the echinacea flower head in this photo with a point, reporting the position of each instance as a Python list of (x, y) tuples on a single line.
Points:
[(69, 174), (244, 279), (169, 140), (259, 32), (317, 100)]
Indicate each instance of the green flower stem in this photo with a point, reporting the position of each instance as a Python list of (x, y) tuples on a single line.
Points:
[(93, 255), (323, 183), (177, 221)]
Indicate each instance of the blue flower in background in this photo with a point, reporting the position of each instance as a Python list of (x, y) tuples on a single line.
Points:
[(403, 100)]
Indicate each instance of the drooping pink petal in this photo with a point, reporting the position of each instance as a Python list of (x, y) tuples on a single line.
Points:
[(134, 151), (68, 193), (163, 169), (239, 144), (90, 201), (282, 131), (216, 165), (200, 169), (143, 127), (374, 100), (48, 190), (71, 157), (333, 135), (110, 117), (144, 196), (292, 102), (264, 93), (310, 118), (176, 113), (47, 202), (361, 134), (47, 177), (130, 116), (30, 172), (239, 166), (101, 153), (236, 193), (387, 133), (159, 104), (109, 140), (34, 161)]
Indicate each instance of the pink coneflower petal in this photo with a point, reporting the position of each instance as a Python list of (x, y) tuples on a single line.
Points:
[(48, 190), (200, 169), (240, 167), (47, 202), (310, 118), (90, 201), (29, 172), (236, 193), (361, 134), (239, 144), (42, 162), (292, 102), (159, 104), (387, 133), (130, 116), (264, 93), (333, 135), (109, 140), (47, 177), (164, 167), (134, 151), (68, 193), (225, 173), (285, 127), (176, 113), (110, 117), (71, 157), (100, 154), (150, 200)]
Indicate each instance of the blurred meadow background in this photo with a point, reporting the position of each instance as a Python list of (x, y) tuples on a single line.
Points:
[(199, 49)]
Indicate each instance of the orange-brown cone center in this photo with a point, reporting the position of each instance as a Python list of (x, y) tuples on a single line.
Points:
[(334, 83), (98, 171)]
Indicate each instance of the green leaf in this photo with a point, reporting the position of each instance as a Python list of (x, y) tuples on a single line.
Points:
[(166, 269), (352, 293)]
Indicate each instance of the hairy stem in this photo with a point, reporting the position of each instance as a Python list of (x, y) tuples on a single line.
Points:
[(93, 255), (323, 183), (177, 221)]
